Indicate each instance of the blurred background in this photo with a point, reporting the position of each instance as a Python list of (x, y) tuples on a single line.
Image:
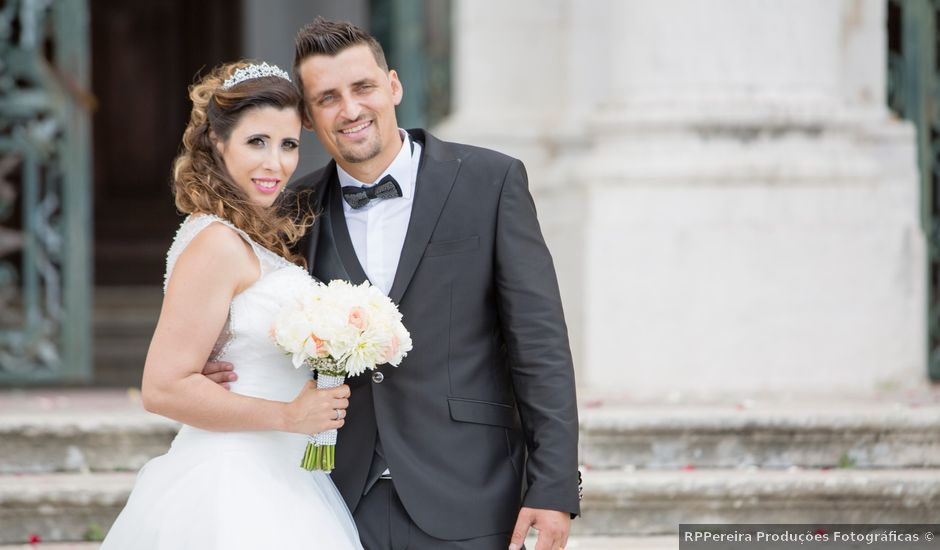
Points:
[(740, 197), (94, 107)]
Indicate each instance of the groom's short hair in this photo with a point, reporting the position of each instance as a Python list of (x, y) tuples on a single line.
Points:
[(325, 37)]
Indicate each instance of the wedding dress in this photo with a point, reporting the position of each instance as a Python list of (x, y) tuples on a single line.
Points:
[(238, 490)]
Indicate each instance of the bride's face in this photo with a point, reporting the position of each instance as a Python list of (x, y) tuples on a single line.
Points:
[(262, 152)]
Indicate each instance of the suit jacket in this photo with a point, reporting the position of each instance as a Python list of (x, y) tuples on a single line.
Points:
[(481, 417)]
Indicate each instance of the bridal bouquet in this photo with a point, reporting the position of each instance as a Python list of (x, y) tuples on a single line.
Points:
[(339, 330)]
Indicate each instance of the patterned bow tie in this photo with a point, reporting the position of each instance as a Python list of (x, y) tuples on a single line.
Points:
[(357, 197)]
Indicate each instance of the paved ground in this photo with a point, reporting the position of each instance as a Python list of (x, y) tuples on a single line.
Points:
[(70, 401), (111, 401), (586, 543)]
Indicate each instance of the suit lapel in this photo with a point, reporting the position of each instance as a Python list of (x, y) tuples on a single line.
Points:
[(310, 242), (344, 246), (436, 176)]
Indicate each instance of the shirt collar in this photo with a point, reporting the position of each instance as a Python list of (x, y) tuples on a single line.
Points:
[(400, 169)]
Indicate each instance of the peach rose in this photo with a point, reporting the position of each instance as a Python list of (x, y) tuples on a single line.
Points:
[(357, 318)]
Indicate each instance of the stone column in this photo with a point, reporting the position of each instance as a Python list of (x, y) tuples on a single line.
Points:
[(508, 75), (750, 219)]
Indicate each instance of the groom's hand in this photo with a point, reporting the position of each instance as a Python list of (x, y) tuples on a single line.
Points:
[(220, 372), (552, 526)]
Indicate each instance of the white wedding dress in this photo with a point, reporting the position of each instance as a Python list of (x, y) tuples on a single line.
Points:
[(239, 490)]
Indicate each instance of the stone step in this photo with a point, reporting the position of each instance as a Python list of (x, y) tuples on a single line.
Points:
[(65, 444), (79, 431), (125, 318), (53, 546), (121, 311), (46, 431), (60, 507), (613, 543), (618, 503), (574, 543), (120, 362), (861, 435), (65, 507)]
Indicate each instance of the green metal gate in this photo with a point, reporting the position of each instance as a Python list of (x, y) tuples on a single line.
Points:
[(913, 93), (45, 224), (416, 37)]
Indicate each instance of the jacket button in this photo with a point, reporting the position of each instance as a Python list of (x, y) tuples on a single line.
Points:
[(377, 377)]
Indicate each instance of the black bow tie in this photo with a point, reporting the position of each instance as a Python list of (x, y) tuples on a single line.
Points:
[(357, 197)]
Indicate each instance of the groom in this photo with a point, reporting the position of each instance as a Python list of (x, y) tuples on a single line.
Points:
[(473, 439)]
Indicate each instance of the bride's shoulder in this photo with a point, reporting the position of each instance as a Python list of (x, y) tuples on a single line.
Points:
[(220, 243), (207, 245), (219, 239)]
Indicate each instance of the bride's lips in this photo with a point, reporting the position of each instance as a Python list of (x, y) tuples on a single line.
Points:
[(357, 130), (266, 185)]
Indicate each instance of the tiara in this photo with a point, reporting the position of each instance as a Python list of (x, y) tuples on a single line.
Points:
[(254, 71)]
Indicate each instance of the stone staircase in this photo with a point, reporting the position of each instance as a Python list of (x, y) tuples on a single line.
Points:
[(69, 456), (648, 469), (69, 460)]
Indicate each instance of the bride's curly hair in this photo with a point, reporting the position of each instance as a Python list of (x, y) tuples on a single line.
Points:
[(202, 184)]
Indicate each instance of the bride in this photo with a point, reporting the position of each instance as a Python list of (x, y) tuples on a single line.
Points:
[(232, 477)]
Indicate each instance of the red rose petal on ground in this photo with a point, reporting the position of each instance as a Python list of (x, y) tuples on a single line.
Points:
[(34, 538), (688, 468)]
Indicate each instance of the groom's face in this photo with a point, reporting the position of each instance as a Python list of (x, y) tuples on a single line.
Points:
[(351, 101)]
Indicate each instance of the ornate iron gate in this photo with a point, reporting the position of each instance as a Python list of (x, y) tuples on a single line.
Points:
[(45, 224)]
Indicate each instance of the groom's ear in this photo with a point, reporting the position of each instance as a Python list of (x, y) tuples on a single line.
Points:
[(306, 118), (397, 90)]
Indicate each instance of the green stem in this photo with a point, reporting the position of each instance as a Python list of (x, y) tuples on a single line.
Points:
[(308, 463), (319, 457)]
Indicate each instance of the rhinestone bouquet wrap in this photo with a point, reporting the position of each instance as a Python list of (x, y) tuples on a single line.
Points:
[(339, 330)]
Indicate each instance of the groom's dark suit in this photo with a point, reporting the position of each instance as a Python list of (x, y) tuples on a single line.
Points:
[(481, 417)]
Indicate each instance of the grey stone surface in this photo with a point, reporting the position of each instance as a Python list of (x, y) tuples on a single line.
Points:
[(574, 543), (651, 502), (616, 504), (83, 444), (53, 546), (614, 543), (60, 507), (636, 492), (75, 439), (863, 435)]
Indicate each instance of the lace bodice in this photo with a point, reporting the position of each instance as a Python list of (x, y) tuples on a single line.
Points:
[(264, 370)]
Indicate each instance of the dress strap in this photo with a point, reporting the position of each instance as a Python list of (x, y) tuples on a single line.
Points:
[(191, 226)]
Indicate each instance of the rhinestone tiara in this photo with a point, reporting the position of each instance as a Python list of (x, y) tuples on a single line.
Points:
[(254, 71)]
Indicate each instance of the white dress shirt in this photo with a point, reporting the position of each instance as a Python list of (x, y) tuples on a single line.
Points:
[(378, 229)]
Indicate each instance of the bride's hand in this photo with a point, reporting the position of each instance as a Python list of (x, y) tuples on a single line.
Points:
[(315, 410)]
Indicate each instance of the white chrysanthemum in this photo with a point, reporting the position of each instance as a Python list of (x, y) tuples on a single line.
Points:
[(368, 351)]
